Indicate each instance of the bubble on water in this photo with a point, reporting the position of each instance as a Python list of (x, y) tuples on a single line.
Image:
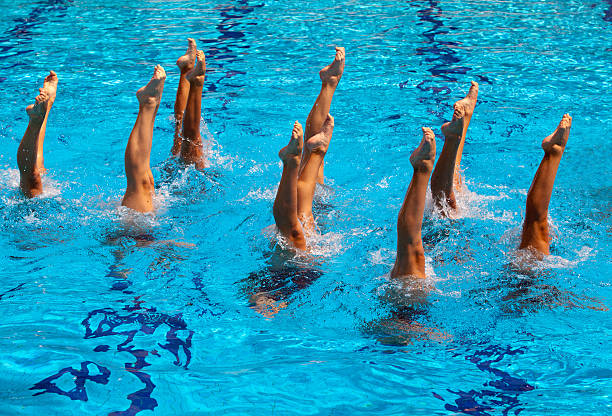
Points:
[(472, 205)]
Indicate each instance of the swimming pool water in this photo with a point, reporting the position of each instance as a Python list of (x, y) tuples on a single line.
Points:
[(156, 317)]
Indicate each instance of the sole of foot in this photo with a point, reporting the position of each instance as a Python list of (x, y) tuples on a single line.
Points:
[(555, 143), (198, 73), (151, 93), (38, 110), (468, 103), (462, 113), (293, 150), (50, 86), (187, 61), (319, 143), (332, 73), (422, 159)]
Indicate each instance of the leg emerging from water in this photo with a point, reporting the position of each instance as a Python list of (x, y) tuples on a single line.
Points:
[(535, 228), (30, 152), (447, 175), (191, 146), (185, 64), (410, 260), (285, 204), (140, 188), (316, 146), (330, 77)]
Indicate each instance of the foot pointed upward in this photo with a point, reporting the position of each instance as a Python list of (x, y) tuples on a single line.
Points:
[(555, 143), (293, 150), (422, 158), (320, 141), (197, 74), (151, 93), (37, 111), (50, 86), (454, 128), (469, 102), (187, 61), (463, 110), (332, 73)]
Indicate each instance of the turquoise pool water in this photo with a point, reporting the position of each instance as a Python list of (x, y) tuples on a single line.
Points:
[(155, 318)]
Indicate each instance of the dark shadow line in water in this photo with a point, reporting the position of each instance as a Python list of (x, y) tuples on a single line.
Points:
[(21, 32), (501, 393), (79, 378), (608, 14), (231, 36), (440, 54), (148, 320), (19, 286)]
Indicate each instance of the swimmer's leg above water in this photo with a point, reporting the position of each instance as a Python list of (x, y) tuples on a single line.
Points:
[(535, 228), (285, 204), (330, 77), (410, 260), (30, 152), (446, 174), (316, 146), (185, 64), (140, 186), (191, 146)]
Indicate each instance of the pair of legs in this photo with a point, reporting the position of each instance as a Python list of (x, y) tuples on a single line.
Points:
[(30, 152), (410, 258), (303, 164), (447, 173), (140, 187), (188, 106), (288, 200)]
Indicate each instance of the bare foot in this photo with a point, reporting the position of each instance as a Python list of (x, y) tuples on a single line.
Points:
[(151, 93), (50, 87), (555, 143), (332, 73), (294, 149), (469, 102), (423, 156), (187, 61), (38, 110), (454, 128), (197, 74), (320, 141), (463, 110)]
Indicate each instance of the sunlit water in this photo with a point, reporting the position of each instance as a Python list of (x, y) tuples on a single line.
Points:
[(104, 311)]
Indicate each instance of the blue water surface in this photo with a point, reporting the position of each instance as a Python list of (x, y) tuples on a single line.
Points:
[(189, 311)]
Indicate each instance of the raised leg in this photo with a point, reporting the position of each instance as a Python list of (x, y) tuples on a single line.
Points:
[(191, 146), (330, 77), (140, 187), (446, 174), (317, 148), (410, 260), (185, 64), (535, 228), (30, 152), (285, 204)]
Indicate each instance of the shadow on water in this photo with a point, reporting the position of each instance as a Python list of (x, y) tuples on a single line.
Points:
[(440, 54), (132, 321), (223, 48), (501, 394), (408, 322), (608, 15)]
